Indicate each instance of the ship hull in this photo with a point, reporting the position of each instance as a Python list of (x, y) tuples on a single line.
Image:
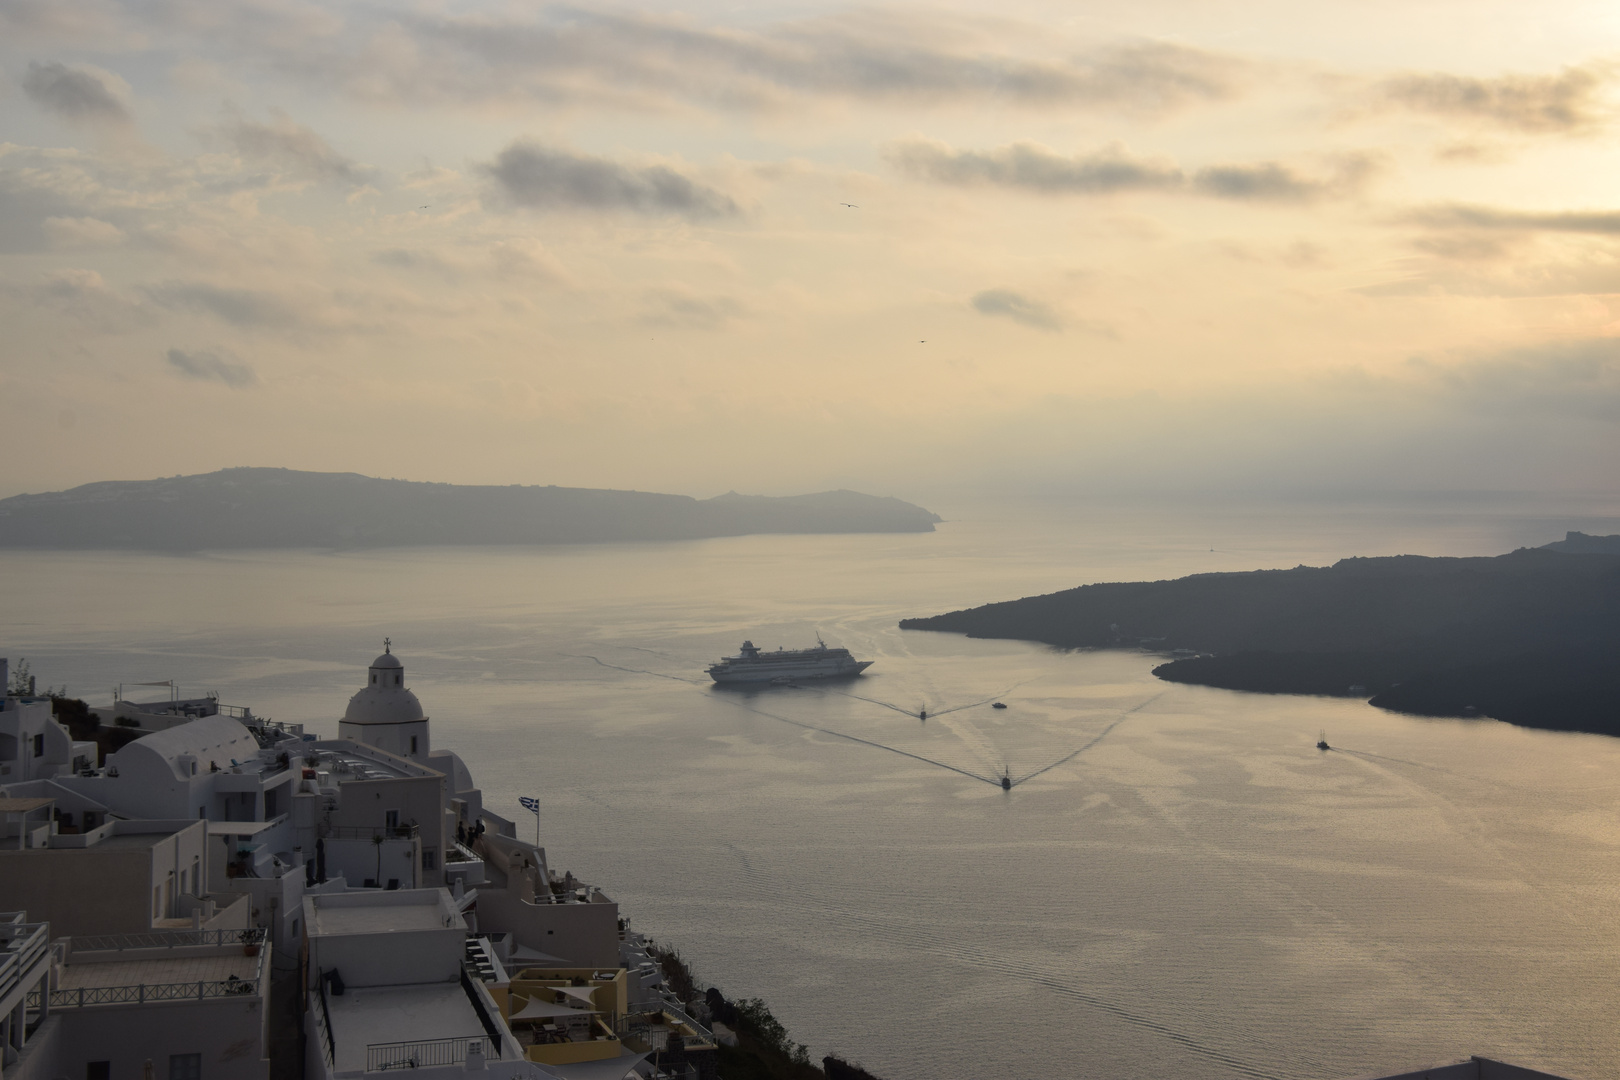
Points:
[(766, 672)]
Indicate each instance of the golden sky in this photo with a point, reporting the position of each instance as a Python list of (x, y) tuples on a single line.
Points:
[(1252, 247)]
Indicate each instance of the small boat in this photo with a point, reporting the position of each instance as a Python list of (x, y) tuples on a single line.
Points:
[(1006, 782), (998, 705), (1322, 743)]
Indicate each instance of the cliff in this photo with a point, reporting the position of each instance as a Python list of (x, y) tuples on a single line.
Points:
[(260, 508), (1527, 637)]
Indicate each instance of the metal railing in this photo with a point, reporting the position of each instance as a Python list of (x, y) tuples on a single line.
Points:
[(28, 943), (140, 994), (364, 832), (323, 1028), (166, 939), (458, 852), (381, 1057)]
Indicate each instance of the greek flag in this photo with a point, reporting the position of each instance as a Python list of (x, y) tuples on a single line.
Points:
[(532, 805)]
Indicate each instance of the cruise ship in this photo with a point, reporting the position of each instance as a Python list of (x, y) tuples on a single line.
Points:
[(787, 665)]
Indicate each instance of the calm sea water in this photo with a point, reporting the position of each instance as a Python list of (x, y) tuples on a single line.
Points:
[(1182, 886)]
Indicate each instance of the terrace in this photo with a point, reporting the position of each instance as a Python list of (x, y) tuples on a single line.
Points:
[(177, 965)]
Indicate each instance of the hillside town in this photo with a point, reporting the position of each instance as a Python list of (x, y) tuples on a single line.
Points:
[(224, 897)]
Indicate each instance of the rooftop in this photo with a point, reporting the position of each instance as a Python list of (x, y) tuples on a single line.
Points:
[(153, 971), (367, 1016), (368, 912)]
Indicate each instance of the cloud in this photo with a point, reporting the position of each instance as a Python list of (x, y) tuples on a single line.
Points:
[(78, 94), (1535, 104), (212, 367), (81, 232), (559, 54), (1466, 216), (85, 297), (541, 178), (1033, 167), (240, 307), (673, 307), (1269, 181), (1017, 307), (289, 146), (1569, 379)]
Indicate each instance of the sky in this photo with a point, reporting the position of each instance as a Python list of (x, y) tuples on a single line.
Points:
[(1218, 248)]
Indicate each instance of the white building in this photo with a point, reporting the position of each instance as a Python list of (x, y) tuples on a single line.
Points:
[(385, 714), (33, 745), (122, 877), (387, 990), (186, 1005)]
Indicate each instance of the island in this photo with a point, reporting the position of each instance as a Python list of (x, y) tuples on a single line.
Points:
[(1530, 637), (279, 508)]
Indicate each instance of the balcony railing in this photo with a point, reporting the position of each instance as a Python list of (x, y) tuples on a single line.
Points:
[(364, 832), (323, 1027), (27, 943), (381, 1057), (165, 939), (141, 994)]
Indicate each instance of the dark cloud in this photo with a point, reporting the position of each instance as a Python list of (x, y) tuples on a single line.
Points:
[(212, 367), (1465, 216), (542, 178), (1033, 167), (1537, 104), (289, 147), (1264, 182), (1017, 307), (240, 307), (76, 94)]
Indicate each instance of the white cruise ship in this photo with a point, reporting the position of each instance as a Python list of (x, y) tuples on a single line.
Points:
[(787, 665)]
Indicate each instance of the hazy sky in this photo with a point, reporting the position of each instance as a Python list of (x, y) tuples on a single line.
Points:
[(1254, 246)]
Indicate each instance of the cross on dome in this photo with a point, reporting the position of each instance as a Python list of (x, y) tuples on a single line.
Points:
[(388, 645)]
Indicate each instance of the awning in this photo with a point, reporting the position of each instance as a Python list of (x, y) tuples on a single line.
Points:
[(541, 1010)]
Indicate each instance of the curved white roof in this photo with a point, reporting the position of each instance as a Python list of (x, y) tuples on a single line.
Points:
[(385, 699), (210, 739)]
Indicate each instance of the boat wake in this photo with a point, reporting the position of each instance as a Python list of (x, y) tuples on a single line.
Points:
[(1118, 720)]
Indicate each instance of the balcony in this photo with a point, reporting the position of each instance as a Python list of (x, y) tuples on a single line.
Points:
[(382, 1057), (138, 969)]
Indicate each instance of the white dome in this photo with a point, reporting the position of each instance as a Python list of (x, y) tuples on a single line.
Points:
[(385, 699)]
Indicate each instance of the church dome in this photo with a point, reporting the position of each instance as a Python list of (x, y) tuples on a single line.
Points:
[(385, 699)]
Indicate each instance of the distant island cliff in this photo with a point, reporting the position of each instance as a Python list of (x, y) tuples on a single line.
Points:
[(1530, 637), (270, 508)]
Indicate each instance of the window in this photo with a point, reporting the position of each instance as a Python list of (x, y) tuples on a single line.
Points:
[(396, 679), (430, 858), (196, 877), (97, 1070), (413, 744), (185, 1067), (39, 745), (391, 819)]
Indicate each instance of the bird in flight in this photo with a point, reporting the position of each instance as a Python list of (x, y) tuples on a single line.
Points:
[(424, 207), (851, 205)]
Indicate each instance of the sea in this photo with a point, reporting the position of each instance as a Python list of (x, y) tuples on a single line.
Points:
[(1179, 883)]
